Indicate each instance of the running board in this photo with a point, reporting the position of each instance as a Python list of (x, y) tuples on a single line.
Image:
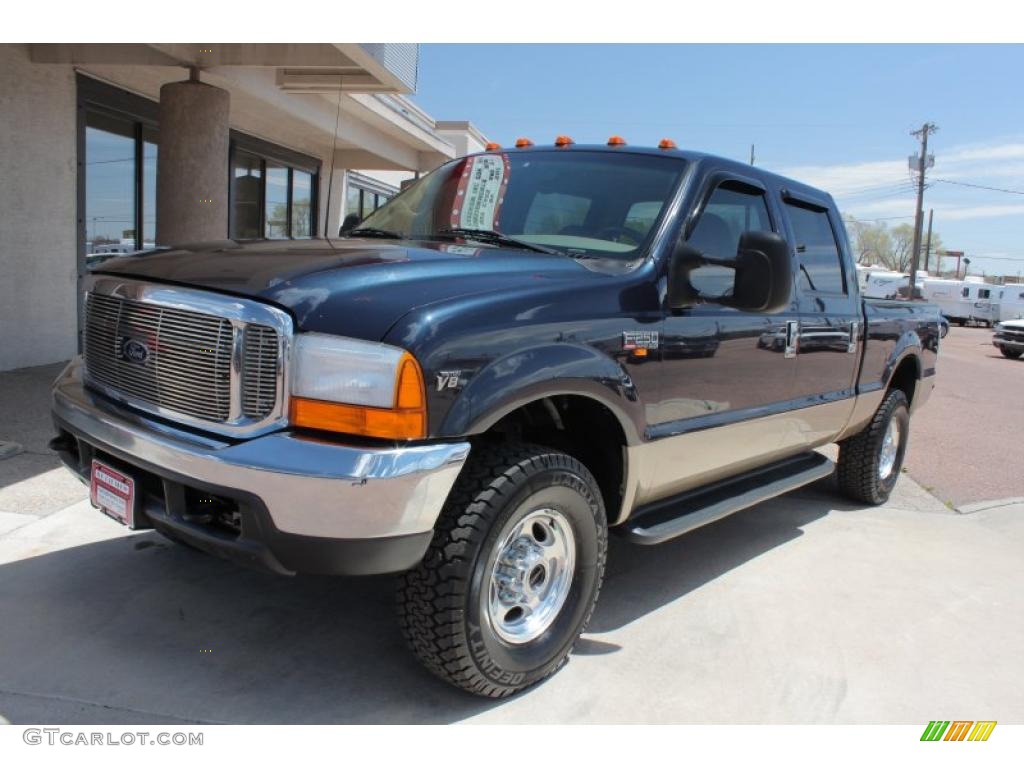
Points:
[(666, 519)]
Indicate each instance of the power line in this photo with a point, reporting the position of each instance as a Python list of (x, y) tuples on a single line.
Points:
[(980, 186), (880, 218)]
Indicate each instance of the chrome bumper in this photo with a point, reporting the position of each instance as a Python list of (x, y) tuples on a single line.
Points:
[(1011, 343), (309, 487)]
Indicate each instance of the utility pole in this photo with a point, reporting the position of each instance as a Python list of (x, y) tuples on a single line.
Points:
[(751, 154), (922, 164), (928, 242)]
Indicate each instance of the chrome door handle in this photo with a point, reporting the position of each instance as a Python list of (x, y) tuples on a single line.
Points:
[(792, 337), (854, 335)]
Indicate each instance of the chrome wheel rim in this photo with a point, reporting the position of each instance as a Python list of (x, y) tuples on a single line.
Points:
[(532, 575), (890, 447)]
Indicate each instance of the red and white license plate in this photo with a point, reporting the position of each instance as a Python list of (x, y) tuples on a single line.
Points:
[(112, 492)]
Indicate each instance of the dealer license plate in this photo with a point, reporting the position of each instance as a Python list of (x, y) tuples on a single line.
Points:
[(112, 492)]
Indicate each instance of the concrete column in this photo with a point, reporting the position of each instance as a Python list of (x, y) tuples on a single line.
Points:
[(192, 165)]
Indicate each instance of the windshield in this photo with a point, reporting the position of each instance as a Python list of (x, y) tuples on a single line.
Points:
[(581, 203)]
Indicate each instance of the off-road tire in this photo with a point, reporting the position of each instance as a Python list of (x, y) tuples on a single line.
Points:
[(441, 602), (1013, 354), (857, 470)]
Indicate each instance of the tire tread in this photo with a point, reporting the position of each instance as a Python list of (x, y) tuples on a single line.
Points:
[(430, 597)]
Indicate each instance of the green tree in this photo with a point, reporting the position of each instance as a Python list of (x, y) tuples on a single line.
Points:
[(874, 242)]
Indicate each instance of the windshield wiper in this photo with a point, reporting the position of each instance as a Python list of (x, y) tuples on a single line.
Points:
[(386, 234), (493, 237)]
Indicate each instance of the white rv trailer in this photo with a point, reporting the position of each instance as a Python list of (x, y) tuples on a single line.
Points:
[(964, 301), (1011, 301), (883, 283)]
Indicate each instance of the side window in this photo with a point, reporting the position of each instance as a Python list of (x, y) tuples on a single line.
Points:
[(820, 266), (730, 212), (965, 292), (984, 293)]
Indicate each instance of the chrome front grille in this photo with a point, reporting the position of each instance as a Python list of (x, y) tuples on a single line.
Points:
[(259, 371), (191, 356)]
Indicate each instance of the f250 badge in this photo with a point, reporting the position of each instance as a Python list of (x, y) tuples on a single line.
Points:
[(634, 340), (448, 380)]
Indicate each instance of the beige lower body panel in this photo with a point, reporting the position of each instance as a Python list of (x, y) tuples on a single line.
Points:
[(673, 465)]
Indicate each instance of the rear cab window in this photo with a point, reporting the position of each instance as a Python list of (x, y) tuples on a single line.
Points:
[(817, 249)]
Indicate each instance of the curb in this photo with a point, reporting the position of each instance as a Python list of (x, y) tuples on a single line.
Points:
[(981, 506)]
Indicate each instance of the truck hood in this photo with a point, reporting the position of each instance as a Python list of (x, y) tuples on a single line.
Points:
[(357, 288)]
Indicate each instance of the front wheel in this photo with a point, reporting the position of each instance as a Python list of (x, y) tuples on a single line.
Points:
[(513, 571), (870, 461), (1011, 353)]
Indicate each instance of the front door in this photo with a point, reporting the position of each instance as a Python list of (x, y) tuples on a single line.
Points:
[(726, 374)]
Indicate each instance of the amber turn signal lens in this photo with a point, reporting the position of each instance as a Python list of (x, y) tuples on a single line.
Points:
[(523, 142), (667, 144), (616, 141), (563, 141), (407, 420), (492, 146)]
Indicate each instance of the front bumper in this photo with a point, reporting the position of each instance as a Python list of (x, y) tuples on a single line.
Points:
[(297, 503), (1014, 341)]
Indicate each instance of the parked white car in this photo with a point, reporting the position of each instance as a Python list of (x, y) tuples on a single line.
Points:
[(1009, 338)]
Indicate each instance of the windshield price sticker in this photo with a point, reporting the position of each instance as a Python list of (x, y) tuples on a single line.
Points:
[(481, 192)]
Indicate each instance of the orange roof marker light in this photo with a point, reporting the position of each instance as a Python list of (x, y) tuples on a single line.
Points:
[(523, 142), (667, 144), (563, 141), (492, 146), (616, 141)]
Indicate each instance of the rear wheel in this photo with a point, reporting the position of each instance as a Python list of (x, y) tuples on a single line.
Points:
[(1011, 353), (870, 461), (512, 574)]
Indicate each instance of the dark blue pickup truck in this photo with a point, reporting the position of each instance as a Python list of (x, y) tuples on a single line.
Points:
[(525, 349)]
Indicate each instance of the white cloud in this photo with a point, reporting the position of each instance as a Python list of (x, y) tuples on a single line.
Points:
[(877, 178), (904, 207), (980, 212)]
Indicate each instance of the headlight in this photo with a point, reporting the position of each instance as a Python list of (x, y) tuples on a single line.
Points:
[(357, 387)]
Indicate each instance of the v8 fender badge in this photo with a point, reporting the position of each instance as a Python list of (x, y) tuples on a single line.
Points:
[(633, 340), (448, 380)]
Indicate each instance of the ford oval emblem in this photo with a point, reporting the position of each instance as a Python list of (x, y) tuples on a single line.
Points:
[(135, 351)]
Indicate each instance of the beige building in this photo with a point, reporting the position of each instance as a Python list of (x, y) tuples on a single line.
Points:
[(114, 148)]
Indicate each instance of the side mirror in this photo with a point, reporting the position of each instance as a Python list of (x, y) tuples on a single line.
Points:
[(351, 221), (762, 275)]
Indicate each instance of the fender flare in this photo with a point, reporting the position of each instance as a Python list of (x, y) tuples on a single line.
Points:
[(525, 376), (907, 345)]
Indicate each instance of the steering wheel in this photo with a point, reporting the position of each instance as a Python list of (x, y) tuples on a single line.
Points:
[(614, 233)]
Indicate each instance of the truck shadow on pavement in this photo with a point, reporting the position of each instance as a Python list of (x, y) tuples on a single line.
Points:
[(138, 623)]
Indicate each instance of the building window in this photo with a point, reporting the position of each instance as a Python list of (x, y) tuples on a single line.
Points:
[(302, 204), (364, 195), (273, 191), (246, 194), (276, 203), (120, 183)]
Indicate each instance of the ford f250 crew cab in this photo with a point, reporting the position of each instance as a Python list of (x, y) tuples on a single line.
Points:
[(523, 350)]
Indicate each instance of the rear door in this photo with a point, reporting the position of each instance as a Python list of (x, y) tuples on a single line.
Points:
[(829, 314)]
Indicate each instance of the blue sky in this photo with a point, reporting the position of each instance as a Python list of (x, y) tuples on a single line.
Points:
[(835, 116)]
